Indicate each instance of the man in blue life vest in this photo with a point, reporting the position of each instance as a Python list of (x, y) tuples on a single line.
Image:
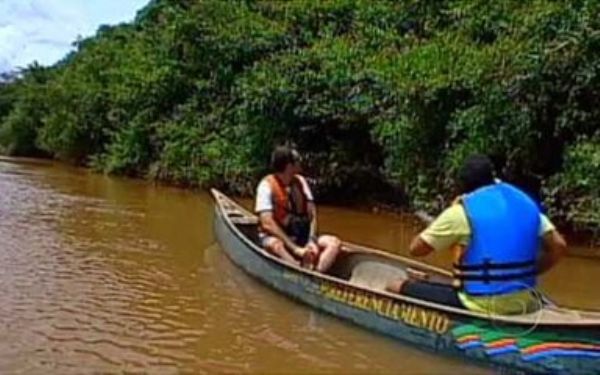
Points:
[(500, 242), (288, 215)]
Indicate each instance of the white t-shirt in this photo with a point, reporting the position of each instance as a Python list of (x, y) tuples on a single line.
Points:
[(264, 194)]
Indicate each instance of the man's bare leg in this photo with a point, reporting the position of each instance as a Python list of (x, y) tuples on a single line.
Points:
[(330, 246), (276, 247)]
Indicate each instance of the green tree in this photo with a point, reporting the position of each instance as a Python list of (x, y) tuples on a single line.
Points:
[(385, 98)]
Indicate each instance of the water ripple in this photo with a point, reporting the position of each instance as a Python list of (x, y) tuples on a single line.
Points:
[(115, 276)]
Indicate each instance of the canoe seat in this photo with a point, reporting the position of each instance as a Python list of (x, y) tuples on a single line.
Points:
[(249, 227), (244, 220), (235, 213), (375, 275)]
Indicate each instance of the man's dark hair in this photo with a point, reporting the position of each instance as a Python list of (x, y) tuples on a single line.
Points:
[(282, 156), (476, 171)]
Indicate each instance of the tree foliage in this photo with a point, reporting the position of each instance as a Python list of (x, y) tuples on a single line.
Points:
[(382, 96)]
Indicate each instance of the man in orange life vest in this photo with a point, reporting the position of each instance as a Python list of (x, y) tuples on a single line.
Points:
[(287, 214)]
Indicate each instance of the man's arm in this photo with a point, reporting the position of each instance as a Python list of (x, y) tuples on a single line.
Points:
[(554, 247), (311, 208), (420, 248), (312, 214), (271, 227), (443, 233)]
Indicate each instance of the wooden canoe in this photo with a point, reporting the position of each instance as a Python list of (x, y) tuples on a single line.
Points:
[(553, 340)]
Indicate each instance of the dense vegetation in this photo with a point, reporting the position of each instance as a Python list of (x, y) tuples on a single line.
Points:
[(383, 97)]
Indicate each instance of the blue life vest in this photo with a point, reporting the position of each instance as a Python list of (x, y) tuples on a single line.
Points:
[(502, 253)]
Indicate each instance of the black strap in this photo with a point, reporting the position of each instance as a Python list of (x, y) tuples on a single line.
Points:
[(493, 266), (291, 207), (486, 277)]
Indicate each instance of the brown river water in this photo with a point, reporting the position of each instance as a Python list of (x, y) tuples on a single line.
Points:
[(107, 275)]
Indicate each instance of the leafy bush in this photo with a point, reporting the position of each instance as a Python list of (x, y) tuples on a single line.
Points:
[(381, 97), (574, 193), (26, 103)]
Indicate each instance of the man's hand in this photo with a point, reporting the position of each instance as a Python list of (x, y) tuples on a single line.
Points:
[(309, 255)]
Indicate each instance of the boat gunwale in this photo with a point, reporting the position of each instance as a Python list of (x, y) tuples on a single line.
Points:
[(532, 318)]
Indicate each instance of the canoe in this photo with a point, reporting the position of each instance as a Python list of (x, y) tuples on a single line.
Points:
[(554, 339)]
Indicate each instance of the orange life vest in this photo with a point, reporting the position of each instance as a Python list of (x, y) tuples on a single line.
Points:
[(287, 203)]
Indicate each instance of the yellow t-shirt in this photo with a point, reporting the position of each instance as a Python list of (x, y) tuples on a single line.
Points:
[(451, 230)]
